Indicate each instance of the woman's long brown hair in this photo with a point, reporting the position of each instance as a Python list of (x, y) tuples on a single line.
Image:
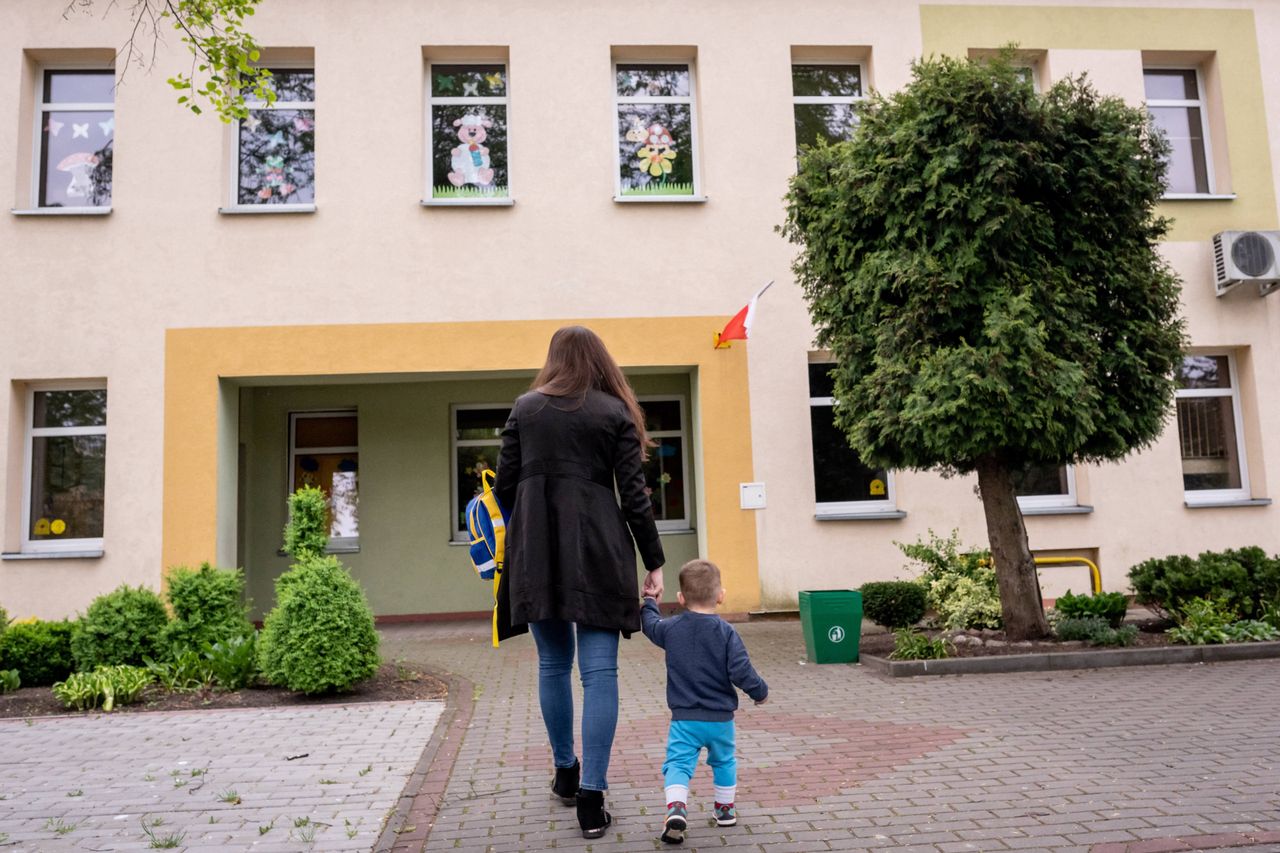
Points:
[(578, 361)]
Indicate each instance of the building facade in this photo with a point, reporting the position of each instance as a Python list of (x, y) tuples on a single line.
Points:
[(348, 289)]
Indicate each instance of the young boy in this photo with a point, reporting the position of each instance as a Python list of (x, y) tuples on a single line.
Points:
[(705, 661)]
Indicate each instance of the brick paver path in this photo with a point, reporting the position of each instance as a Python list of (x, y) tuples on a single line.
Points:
[(102, 782), (1122, 759)]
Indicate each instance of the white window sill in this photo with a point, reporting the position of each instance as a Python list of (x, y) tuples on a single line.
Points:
[(660, 199), (1198, 197), (347, 547), (504, 201), (88, 554), (239, 209), (1215, 504), (675, 531), (61, 211), (877, 515), (1077, 509)]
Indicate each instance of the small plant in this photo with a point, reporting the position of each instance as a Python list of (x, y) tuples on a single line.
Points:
[(9, 680), (960, 585), (1251, 631), (893, 604), (121, 627), (60, 826), (403, 673), (263, 829), (351, 828), (307, 833), (39, 651), (78, 792), (187, 671), (1095, 630), (1110, 606), (367, 770), (234, 661), (1271, 614), (230, 797), (328, 781), (106, 686), (162, 842), (179, 782), (912, 645), (1203, 621), (301, 821)]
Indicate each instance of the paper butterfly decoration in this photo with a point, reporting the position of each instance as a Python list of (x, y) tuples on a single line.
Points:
[(55, 127), (252, 122), (107, 126), (78, 130), (494, 80), (471, 88)]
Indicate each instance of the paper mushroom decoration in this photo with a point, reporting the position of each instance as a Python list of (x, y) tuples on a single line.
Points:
[(80, 165)]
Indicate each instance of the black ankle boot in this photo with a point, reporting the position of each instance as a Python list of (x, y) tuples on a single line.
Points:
[(565, 786), (592, 817)]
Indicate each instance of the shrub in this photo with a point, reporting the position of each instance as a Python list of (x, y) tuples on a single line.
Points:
[(208, 607), (960, 586), (1203, 621), (1251, 630), (893, 604), (122, 627), (1110, 606), (1095, 630), (319, 637), (307, 532), (39, 651), (234, 661), (107, 686), (1168, 584), (1271, 614), (911, 645), (9, 680), (1264, 576)]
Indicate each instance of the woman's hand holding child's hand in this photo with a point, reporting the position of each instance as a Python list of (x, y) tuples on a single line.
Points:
[(653, 585)]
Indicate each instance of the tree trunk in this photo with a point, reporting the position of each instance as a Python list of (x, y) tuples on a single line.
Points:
[(1020, 604)]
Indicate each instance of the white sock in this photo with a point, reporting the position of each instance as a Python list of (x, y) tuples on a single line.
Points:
[(678, 793), (726, 794)]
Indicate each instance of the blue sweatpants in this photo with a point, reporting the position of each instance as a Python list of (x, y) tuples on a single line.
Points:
[(685, 741)]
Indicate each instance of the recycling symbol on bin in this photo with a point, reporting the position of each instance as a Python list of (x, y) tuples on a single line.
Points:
[(836, 634)]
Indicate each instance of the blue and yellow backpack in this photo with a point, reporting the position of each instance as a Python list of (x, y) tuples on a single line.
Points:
[(487, 524)]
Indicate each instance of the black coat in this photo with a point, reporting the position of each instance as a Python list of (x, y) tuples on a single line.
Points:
[(570, 552)]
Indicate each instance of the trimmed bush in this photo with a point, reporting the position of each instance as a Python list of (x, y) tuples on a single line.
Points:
[(307, 532), (39, 651), (960, 586), (1110, 606), (1168, 584), (208, 608), (122, 627), (893, 604), (319, 638), (1264, 576), (1095, 630)]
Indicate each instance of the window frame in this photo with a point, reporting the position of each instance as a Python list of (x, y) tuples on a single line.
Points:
[(695, 148), (1062, 500), (30, 433), (843, 509), (456, 535), (233, 190), (797, 100), (1197, 497), (335, 542), (42, 109), (674, 525), (428, 196), (1200, 103)]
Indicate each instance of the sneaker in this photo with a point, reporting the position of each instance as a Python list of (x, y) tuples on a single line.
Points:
[(674, 826), (726, 814)]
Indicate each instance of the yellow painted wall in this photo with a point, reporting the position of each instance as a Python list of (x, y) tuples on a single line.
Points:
[(196, 360)]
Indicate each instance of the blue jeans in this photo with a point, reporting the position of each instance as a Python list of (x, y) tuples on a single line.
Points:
[(685, 740), (598, 667)]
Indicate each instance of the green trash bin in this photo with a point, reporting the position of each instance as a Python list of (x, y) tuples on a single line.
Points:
[(831, 620)]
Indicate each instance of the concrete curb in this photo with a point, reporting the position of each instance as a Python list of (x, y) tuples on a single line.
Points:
[(1053, 661)]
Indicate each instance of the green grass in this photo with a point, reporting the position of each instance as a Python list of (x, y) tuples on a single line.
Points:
[(658, 188), (450, 191)]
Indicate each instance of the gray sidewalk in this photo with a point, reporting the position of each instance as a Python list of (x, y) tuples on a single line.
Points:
[(1113, 760), (321, 778)]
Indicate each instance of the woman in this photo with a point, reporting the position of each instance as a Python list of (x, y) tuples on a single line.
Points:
[(570, 572)]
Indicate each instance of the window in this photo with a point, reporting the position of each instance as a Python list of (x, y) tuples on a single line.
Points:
[(324, 452), (1209, 429), (75, 129), (1174, 101), (824, 97), (276, 145), (66, 452), (656, 153), (477, 440), (842, 484), (1044, 487), (664, 470), (467, 117)]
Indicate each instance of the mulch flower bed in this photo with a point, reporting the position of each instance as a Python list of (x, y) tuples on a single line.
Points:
[(392, 682), (988, 643)]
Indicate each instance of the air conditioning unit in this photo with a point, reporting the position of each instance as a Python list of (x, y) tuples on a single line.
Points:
[(1241, 256)]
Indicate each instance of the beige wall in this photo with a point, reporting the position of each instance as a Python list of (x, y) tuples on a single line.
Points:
[(92, 296)]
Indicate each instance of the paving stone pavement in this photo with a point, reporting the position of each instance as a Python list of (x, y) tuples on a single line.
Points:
[(841, 759), (106, 780)]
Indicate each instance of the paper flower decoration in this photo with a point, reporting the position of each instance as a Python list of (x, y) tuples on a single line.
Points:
[(655, 160)]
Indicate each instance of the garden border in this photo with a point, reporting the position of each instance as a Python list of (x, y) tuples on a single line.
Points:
[(1054, 661)]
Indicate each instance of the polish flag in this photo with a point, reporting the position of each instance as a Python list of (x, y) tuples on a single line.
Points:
[(739, 328)]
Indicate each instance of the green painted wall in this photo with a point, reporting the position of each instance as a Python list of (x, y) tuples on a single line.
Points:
[(406, 561)]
